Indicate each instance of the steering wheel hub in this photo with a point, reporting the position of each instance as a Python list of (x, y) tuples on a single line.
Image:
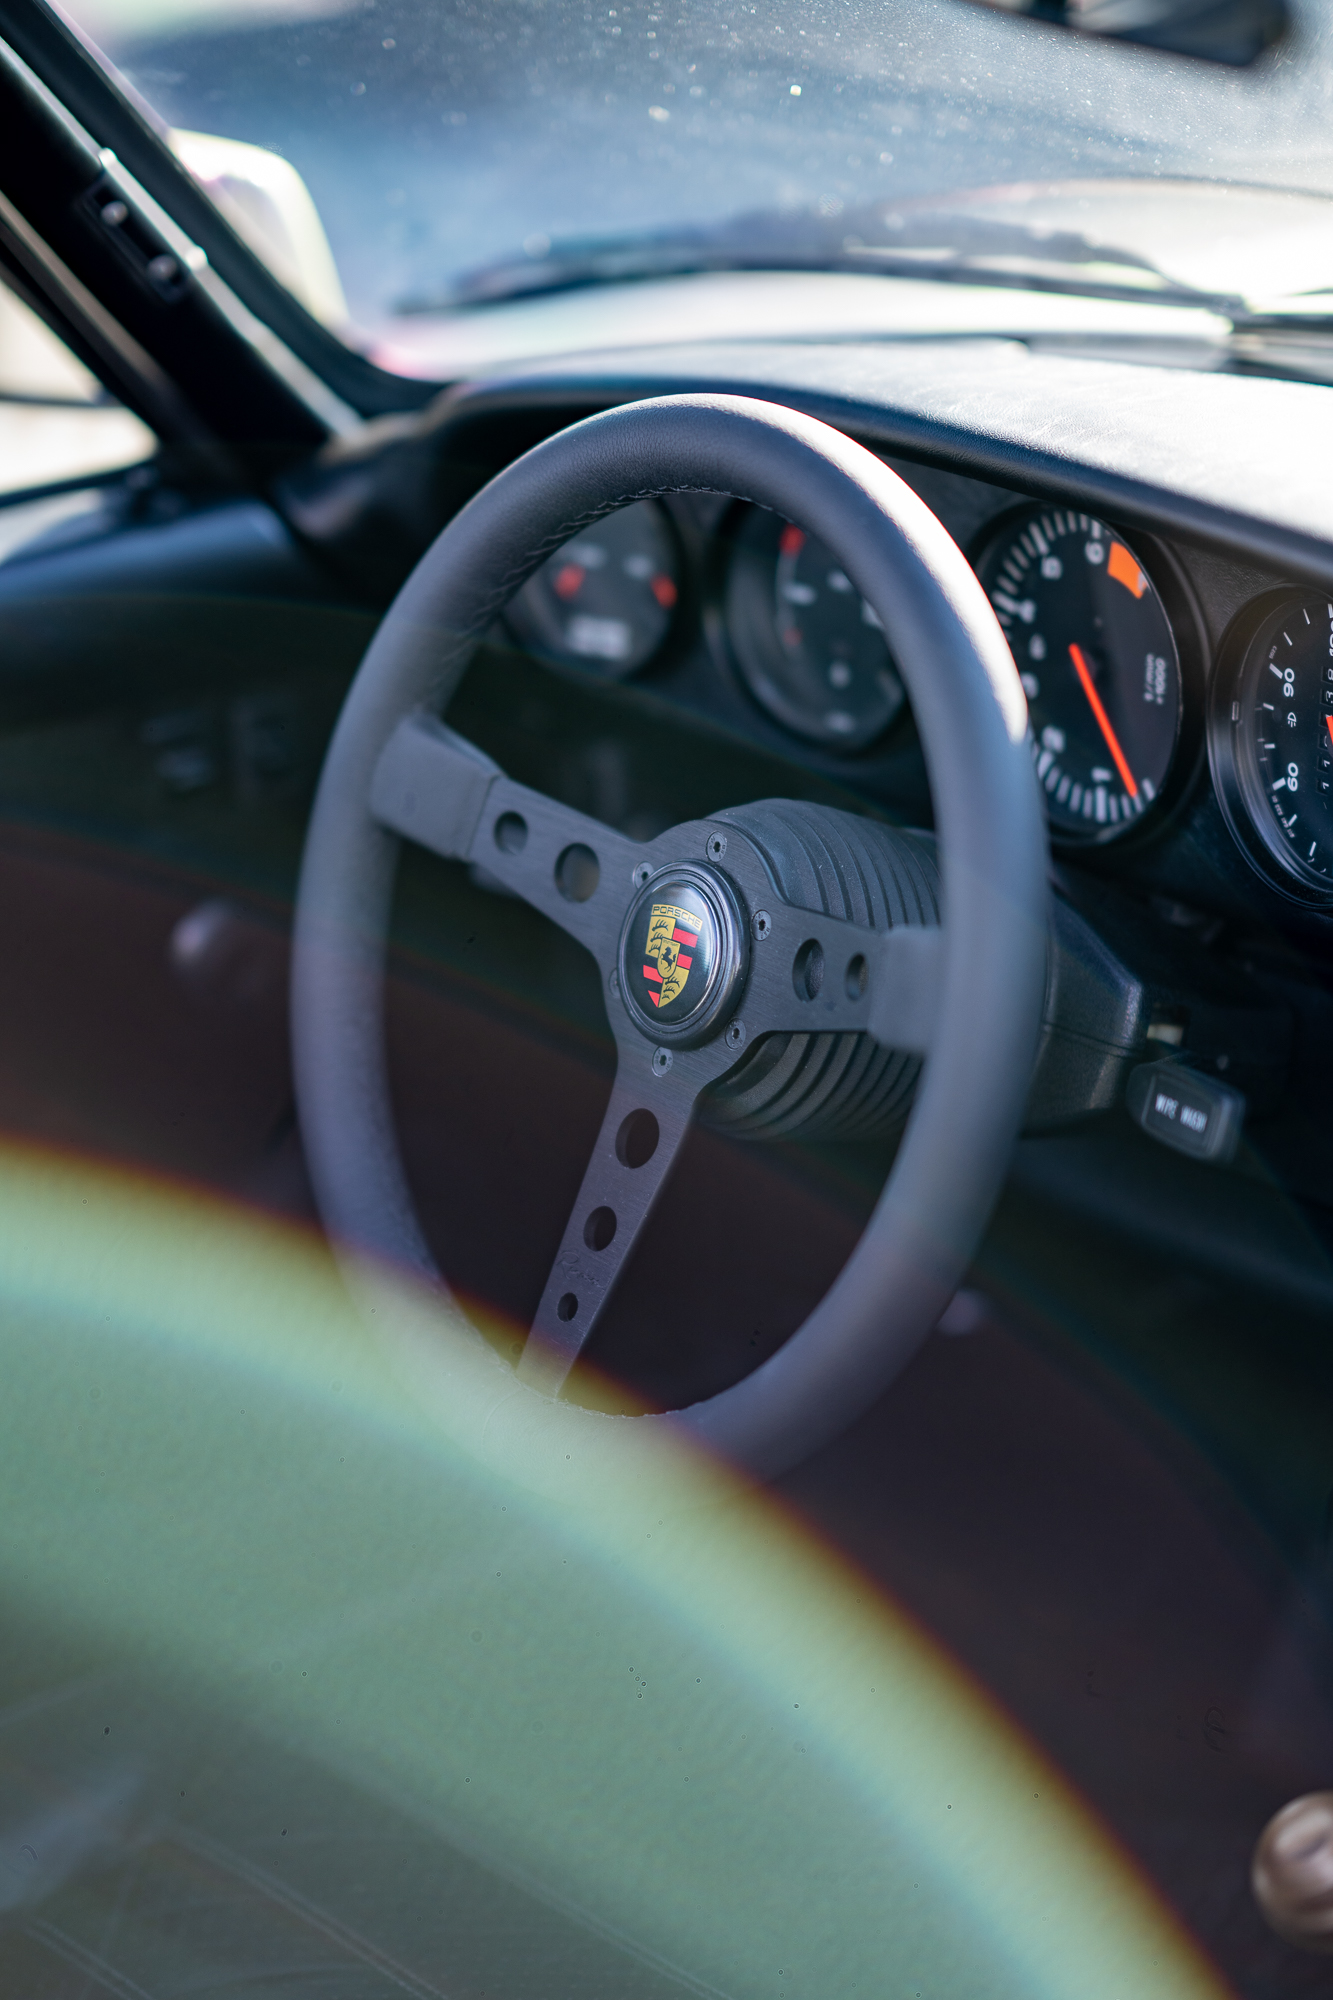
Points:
[(682, 955)]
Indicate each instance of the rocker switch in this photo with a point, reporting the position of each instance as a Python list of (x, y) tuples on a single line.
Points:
[(1187, 1109)]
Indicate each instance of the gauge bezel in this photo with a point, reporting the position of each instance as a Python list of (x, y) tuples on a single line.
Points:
[(1236, 779), (732, 552), (667, 647), (1187, 630)]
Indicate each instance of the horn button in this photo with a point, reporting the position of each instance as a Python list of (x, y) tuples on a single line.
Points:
[(683, 953)]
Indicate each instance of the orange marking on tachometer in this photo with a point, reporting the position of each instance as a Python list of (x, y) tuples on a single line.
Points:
[(1103, 721), (1122, 566), (1329, 720)]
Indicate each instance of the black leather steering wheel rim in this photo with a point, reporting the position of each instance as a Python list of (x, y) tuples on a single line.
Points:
[(971, 714)]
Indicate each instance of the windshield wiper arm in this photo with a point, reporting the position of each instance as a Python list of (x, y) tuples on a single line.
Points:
[(927, 240)]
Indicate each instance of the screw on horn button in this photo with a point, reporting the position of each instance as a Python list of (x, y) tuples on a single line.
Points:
[(1292, 1872), (683, 954)]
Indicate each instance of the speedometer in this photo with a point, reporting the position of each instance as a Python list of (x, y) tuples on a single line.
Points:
[(1272, 737), (810, 649), (1099, 666)]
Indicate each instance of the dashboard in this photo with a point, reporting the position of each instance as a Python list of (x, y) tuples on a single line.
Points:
[(1181, 506), (1155, 541)]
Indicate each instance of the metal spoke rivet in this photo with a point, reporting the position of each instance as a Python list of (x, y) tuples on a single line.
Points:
[(661, 1061), (715, 846), (761, 925), (735, 1035), (614, 983), (641, 874)]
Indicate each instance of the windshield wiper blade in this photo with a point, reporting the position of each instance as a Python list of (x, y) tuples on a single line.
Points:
[(935, 241), (1292, 316)]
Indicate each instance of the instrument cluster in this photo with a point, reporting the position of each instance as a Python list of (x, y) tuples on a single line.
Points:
[(1104, 628)]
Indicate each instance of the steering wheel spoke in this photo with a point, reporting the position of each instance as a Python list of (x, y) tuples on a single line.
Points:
[(812, 973), (647, 1117), (433, 786)]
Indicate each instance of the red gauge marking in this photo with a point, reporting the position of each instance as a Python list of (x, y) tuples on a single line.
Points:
[(664, 590), (568, 580), (1124, 569), (1103, 721), (792, 540), (1329, 720)]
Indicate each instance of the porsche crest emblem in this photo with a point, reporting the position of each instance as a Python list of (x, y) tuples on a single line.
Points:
[(673, 934), (682, 954)]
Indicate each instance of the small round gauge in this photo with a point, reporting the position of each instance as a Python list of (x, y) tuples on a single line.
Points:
[(1274, 743), (810, 649), (1099, 665), (603, 601)]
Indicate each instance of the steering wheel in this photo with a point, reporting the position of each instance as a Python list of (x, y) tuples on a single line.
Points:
[(770, 920)]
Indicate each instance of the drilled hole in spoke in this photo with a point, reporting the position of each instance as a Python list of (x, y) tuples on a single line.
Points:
[(566, 1307), (600, 1228), (577, 873), (511, 833), (807, 972), (858, 977), (636, 1141)]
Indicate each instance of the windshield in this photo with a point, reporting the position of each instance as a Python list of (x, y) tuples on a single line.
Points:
[(441, 140)]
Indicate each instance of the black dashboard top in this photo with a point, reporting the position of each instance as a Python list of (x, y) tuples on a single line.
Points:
[(1235, 461)]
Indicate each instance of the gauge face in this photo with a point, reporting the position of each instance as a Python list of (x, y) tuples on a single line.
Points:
[(1099, 666), (811, 650), (603, 601), (1282, 729)]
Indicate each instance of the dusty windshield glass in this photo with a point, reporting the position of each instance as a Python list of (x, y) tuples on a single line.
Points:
[(438, 139)]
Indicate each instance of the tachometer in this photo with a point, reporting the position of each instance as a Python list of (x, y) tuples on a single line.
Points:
[(604, 601), (1099, 665), (1272, 737)]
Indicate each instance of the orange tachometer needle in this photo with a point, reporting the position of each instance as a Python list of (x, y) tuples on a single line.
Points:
[(1103, 720), (1329, 720)]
